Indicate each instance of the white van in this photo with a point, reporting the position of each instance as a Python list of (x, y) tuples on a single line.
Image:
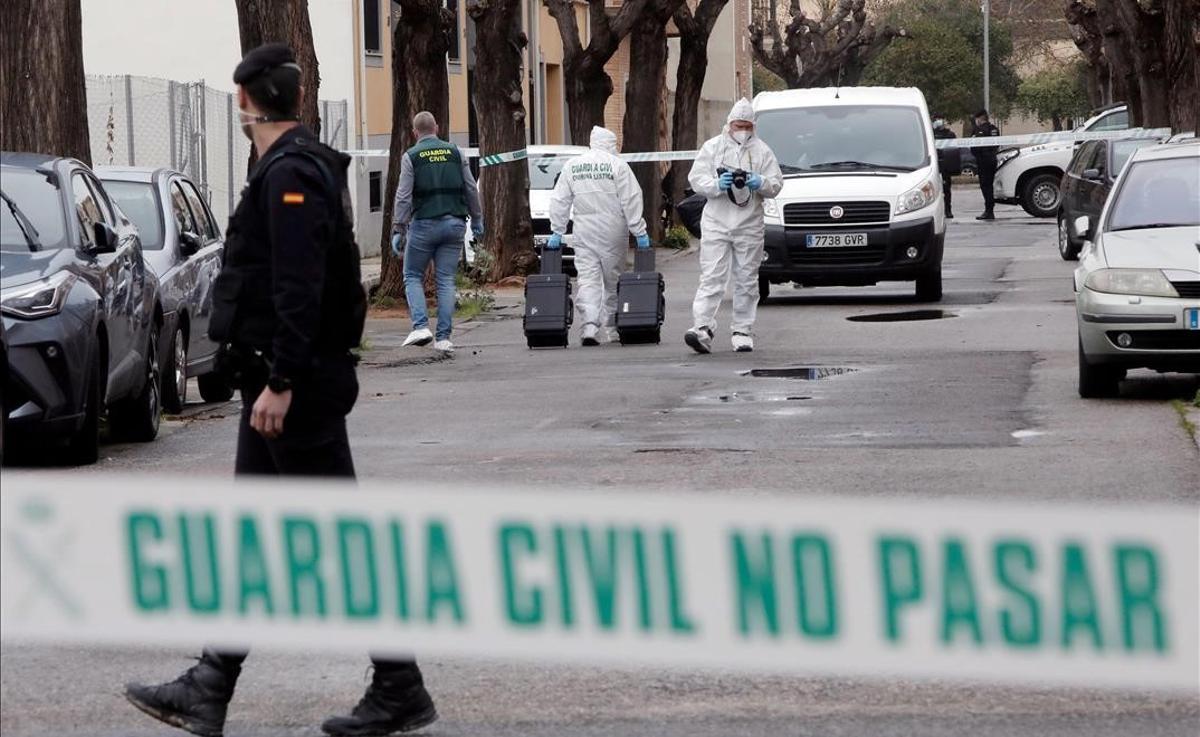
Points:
[(862, 197)]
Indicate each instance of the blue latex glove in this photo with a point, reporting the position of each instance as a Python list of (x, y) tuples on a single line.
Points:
[(477, 230), (725, 181), (754, 182), (396, 249), (643, 241), (555, 242)]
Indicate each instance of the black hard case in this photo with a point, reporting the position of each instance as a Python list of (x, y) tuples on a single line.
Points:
[(641, 301), (548, 306)]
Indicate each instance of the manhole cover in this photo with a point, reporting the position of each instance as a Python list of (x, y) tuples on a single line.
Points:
[(804, 373), (910, 316)]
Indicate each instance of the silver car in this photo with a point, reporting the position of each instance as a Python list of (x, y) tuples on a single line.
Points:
[(1138, 281)]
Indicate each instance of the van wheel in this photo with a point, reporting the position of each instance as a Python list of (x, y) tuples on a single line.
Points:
[(214, 388), (764, 290), (83, 448), (929, 286), (1041, 195), (137, 418), (1097, 381)]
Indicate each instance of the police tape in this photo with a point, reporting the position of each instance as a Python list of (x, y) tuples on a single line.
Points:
[(1031, 139), (1018, 592)]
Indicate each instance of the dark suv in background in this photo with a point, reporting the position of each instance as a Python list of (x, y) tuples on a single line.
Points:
[(1086, 185), (80, 310)]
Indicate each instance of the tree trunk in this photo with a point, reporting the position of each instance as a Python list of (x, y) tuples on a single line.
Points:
[(43, 95), (420, 44), (284, 21), (588, 88), (1182, 53), (501, 115), (644, 92), (694, 32), (1123, 75), (1145, 42)]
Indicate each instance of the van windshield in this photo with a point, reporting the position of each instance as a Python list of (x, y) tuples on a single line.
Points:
[(845, 138)]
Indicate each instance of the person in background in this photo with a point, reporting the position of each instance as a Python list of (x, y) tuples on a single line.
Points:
[(599, 194), (985, 163), (949, 160), (435, 195)]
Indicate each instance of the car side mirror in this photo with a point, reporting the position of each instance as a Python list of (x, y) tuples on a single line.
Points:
[(1093, 175), (104, 239), (189, 243), (1083, 227)]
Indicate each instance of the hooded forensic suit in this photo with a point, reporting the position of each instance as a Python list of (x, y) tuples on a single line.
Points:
[(732, 235), (599, 194)]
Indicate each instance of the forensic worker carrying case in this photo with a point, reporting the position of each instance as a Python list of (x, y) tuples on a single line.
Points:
[(548, 305), (641, 301)]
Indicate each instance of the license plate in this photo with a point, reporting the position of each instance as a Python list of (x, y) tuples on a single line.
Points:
[(1191, 318), (836, 240)]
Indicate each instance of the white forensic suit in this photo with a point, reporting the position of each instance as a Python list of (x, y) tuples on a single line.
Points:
[(732, 235), (598, 192)]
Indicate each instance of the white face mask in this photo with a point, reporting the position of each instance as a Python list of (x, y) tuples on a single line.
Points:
[(939, 123), (741, 136)]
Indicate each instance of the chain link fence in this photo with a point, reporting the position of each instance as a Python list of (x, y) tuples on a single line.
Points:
[(187, 126)]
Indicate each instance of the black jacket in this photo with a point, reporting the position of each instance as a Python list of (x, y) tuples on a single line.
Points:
[(290, 286), (949, 159), (985, 155)]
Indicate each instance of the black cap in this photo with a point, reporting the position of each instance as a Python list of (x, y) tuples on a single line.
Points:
[(981, 114), (264, 59)]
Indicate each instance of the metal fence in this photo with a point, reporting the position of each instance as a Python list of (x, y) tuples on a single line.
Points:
[(188, 126)]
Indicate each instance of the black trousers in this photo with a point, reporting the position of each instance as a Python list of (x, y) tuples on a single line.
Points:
[(987, 179), (946, 192), (313, 443)]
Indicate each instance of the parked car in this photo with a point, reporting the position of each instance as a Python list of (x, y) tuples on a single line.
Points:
[(862, 197), (1031, 177), (1086, 185), (1138, 281), (545, 164), (80, 309), (183, 244)]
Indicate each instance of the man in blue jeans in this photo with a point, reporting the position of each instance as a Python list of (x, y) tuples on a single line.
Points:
[(435, 195)]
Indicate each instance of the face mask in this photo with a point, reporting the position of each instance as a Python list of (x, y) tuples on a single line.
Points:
[(939, 123), (741, 136), (248, 120)]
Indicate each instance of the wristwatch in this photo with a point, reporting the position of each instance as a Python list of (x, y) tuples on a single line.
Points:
[(279, 384)]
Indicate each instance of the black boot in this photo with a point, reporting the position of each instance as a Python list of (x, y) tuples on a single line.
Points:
[(396, 701), (195, 701)]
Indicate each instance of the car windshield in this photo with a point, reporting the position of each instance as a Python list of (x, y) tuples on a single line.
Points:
[(1121, 151), (139, 202), (36, 197), (845, 138), (543, 172), (1163, 193)]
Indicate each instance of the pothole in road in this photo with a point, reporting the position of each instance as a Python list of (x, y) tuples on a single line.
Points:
[(909, 316), (758, 397), (803, 373)]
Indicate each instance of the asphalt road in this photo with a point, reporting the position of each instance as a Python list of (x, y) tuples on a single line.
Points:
[(979, 403)]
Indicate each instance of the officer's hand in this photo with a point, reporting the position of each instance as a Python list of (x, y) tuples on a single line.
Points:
[(725, 181), (477, 233), (754, 182), (555, 242), (643, 241), (395, 244), (269, 410)]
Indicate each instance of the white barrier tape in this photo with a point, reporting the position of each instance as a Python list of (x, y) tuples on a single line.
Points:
[(1030, 139), (1020, 592)]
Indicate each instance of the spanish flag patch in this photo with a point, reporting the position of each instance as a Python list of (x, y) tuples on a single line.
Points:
[(293, 198)]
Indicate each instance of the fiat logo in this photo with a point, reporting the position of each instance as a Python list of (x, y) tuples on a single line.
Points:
[(836, 212)]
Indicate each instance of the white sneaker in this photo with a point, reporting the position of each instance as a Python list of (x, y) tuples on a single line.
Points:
[(742, 343), (700, 339), (591, 336), (444, 346), (420, 336)]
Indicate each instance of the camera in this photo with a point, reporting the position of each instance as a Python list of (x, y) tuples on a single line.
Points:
[(739, 177)]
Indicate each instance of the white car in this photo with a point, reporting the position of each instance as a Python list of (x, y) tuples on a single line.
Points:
[(1031, 176), (1138, 283), (545, 163), (862, 197)]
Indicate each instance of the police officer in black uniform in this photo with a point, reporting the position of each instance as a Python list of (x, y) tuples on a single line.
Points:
[(949, 160), (985, 162), (288, 308)]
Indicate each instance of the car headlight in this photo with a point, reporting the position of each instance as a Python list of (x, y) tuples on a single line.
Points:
[(915, 199), (1141, 282), (770, 209), (41, 298), (1004, 157)]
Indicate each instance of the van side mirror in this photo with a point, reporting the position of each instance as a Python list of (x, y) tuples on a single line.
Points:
[(104, 239), (1083, 227)]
